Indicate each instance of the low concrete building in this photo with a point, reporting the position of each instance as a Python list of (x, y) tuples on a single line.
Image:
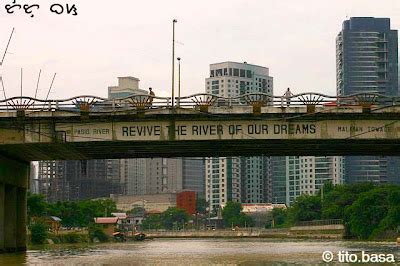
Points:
[(151, 203), (261, 212)]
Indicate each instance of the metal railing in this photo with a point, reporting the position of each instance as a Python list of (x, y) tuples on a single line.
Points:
[(320, 222), (94, 104)]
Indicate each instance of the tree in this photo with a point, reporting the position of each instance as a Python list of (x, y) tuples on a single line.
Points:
[(335, 201), (36, 205), (152, 222), (81, 213), (174, 216), (305, 208), (233, 216), (137, 211), (366, 213), (201, 206), (279, 215), (39, 233)]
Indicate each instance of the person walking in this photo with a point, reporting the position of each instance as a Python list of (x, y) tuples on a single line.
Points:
[(151, 96), (288, 94)]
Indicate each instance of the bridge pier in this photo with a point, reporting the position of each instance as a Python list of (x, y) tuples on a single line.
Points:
[(14, 176)]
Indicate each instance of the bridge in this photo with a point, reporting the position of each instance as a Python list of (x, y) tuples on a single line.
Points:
[(89, 127)]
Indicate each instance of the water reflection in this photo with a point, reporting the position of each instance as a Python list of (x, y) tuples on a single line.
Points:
[(13, 259), (193, 251)]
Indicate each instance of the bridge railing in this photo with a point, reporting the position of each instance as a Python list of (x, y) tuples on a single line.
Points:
[(201, 101)]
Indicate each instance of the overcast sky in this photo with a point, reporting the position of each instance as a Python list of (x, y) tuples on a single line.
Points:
[(294, 39)]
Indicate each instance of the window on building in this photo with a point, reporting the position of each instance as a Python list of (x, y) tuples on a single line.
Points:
[(242, 73), (236, 72), (249, 74)]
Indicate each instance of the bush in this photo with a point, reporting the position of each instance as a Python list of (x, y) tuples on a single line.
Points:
[(71, 238), (39, 233), (95, 231)]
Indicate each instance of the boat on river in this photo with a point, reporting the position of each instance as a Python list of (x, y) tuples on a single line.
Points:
[(139, 236)]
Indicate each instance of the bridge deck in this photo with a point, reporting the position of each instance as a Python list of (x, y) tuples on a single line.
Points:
[(186, 133)]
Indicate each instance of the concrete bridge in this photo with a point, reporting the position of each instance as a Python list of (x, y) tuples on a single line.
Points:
[(88, 127)]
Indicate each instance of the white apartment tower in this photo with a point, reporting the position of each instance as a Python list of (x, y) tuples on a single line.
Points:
[(297, 175), (229, 179)]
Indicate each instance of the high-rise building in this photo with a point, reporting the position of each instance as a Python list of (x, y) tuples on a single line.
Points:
[(163, 175), (367, 61), (134, 173), (255, 182), (33, 181), (234, 178), (293, 176), (77, 180), (367, 57), (193, 176), (222, 181)]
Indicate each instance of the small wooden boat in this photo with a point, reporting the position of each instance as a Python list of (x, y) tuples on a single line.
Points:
[(139, 236)]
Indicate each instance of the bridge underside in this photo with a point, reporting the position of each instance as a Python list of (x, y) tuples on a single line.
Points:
[(253, 147)]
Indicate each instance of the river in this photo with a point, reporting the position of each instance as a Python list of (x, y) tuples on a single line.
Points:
[(196, 252)]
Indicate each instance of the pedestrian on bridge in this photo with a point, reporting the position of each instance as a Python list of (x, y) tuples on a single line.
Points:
[(151, 96), (288, 94)]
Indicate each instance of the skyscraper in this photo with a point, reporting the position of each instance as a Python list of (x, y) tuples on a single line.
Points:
[(367, 61), (293, 176), (234, 178), (77, 180), (193, 176), (367, 57)]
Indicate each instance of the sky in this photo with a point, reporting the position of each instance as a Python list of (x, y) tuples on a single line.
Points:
[(295, 39)]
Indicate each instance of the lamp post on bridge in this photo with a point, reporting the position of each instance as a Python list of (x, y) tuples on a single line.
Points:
[(173, 61), (179, 82)]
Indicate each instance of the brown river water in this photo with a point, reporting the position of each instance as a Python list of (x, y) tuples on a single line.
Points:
[(197, 252)]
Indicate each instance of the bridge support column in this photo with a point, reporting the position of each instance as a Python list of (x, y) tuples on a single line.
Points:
[(21, 219), (14, 178), (2, 200), (10, 219)]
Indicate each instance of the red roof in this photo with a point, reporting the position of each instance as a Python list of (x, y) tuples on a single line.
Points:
[(106, 220)]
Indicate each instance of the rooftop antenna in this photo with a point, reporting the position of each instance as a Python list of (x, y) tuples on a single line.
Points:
[(8, 44)]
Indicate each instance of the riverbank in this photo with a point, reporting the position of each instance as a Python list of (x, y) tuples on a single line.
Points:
[(308, 232)]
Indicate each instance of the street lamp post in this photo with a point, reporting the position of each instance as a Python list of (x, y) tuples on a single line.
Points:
[(179, 82), (173, 60)]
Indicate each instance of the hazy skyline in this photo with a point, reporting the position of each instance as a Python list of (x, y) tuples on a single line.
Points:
[(294, 39)]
